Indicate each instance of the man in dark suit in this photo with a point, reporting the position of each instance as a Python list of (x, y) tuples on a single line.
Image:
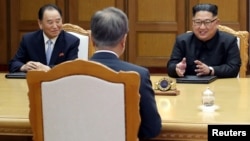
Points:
[(206, 50), (33, 49), (109, 28)]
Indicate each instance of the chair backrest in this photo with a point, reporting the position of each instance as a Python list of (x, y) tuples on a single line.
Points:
[(86, 48), (242, 37), (83, 100)]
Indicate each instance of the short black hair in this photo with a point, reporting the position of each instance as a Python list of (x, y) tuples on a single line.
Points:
[(50, 7), (205, 7)]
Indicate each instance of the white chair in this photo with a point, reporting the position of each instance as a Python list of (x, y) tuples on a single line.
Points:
[(84, 101), (86, 48)]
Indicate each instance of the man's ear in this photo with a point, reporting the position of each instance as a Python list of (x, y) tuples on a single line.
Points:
[(91, 40), (123, 41), (40, 24), (218, 22)]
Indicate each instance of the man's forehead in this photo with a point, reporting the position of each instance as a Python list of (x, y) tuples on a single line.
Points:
[(51, 14), (203, 15)]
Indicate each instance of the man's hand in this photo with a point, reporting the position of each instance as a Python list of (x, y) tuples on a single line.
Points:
[(201, 68), (181, 67), (31, 65)]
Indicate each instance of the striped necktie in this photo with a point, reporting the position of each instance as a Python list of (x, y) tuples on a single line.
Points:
[(49, 51)]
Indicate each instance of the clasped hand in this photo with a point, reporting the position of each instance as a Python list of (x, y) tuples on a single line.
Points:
[(201, 68), (31, 65)]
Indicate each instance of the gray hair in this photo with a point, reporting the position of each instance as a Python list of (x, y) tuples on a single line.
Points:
[(108, 27)]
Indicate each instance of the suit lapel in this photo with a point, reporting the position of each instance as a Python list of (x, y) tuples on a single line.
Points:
[(58, 50), (40, 48)]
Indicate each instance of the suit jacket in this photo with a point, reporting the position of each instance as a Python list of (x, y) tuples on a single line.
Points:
[(150, 118), (32, 48), (221, 52)]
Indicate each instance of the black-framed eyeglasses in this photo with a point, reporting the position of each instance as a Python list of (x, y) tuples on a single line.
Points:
[(205, 22)]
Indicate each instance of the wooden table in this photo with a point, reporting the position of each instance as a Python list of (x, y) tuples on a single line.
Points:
[(14, 109), (181, 118)]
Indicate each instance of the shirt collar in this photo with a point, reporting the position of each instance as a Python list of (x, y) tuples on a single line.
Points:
[(109, 51), (46, 38)]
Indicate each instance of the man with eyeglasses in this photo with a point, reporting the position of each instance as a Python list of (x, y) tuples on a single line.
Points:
[(206, 50)]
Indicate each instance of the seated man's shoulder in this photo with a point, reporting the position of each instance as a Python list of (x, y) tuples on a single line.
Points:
[(33, 34), (224, 34), (69, 35), (185, 36), (134, 67)]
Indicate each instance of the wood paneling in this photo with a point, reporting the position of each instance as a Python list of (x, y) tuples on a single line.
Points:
[(3, 32), (232, 13), (80, 11), (150, 11), (150, 41), (154, 25), (153, 28)]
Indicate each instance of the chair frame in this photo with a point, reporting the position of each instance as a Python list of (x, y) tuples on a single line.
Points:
[(77, 29), (243, 36), (130, 79)]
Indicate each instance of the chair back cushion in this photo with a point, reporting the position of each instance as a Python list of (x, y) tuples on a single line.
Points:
[(83, 46), (83, 104), (86, 48)]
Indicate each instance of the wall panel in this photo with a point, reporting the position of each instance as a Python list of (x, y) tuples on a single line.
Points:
[(80, 11), (154, 25), (150, 41), (3, 33), (148, 13), (153, 28), (232, 13)]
